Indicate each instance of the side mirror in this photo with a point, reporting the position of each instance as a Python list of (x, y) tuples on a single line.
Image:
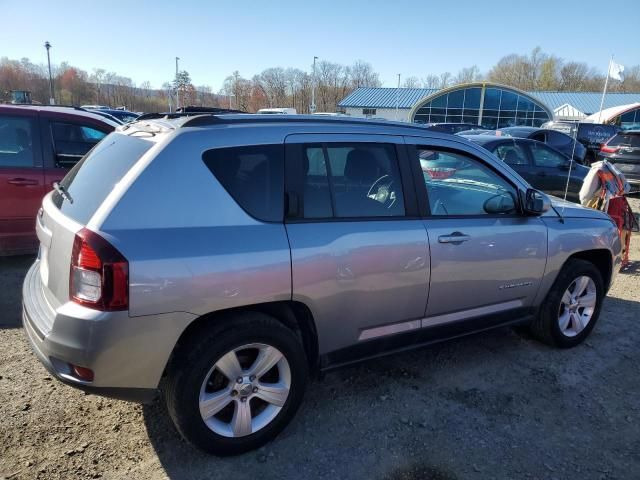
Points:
[(535, 202), (501, 203)]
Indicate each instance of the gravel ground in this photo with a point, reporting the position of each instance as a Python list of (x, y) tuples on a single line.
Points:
[(495, 405)]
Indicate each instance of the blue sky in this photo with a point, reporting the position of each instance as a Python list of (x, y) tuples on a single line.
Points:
[(140, 39)]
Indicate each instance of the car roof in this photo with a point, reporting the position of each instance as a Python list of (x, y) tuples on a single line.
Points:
[(175, 121), (55, 110)]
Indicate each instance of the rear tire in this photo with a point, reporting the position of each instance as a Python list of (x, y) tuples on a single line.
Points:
[(572, 307), (223, 415)]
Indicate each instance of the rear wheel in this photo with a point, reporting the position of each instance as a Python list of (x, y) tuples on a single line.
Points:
[(237, 385), (572, 306)]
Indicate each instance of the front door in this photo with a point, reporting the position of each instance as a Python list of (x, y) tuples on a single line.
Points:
[(486, 258), (21, 183), (359, 252)]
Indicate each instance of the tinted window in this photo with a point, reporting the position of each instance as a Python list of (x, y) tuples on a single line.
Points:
[(72, 141), (16, 142), (511, 154), (253, 176), (460, 185), (625, 140), (90, 180), (352, 180), (545, 157)]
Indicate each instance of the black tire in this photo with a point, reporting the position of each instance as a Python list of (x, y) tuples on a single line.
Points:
[(200, 352), (546, 327)]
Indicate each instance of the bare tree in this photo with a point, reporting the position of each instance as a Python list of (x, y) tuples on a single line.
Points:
[(468, 75), (411, 82)]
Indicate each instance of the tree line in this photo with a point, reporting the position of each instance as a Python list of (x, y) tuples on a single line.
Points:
[(291, 87)]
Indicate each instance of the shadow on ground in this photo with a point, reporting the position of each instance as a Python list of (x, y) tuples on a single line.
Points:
[(448, 403), (12, 273)]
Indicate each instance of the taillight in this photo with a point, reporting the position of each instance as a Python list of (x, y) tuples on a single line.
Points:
[(607, 149), (99, 276)]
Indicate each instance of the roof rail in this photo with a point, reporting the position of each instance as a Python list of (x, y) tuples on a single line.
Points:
[(205, 120), (186, 112)]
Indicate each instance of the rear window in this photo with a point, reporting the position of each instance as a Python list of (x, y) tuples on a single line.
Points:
[(253, 176), (92, 178), (625, 140)]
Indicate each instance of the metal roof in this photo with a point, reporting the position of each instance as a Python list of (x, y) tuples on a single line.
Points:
[(385, 97), (587, 102)]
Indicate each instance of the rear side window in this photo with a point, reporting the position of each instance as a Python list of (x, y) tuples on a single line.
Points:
[(253, 176), (91, 180), (16, 142), (625, 140), (72, 141)]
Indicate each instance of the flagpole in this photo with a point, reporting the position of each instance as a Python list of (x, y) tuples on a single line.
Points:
[(604, 92)]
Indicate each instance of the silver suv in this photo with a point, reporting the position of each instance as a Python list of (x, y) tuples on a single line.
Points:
[(221, 259)]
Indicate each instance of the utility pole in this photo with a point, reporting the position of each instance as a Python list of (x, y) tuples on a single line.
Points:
[(177, 86), (398, 97), (52, 100), (312, 108)]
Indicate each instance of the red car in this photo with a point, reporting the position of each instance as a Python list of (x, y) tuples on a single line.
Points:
[(38, 146)]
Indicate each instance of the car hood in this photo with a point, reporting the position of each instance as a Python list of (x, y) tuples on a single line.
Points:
[(572, 210)]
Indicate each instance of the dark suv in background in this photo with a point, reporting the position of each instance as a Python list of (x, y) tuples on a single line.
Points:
[(38, 146), (623, 150), (591, 135)]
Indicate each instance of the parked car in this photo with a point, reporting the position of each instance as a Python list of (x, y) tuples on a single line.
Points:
[(277, 111), (107, 115), (233, 262), (451, 128), (623, 151), (591, 135), (124, 116), (38, 145), (558, 140), (544, 167), (477, 131)]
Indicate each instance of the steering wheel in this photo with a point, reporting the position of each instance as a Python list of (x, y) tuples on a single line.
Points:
[(382, 192)]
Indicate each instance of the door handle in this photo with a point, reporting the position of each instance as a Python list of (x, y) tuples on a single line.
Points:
[(20, 182), (456, 238)]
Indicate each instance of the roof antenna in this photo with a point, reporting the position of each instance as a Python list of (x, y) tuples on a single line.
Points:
[(573, 151)]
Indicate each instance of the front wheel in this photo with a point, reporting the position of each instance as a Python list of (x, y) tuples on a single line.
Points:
[(572, 306), (237, 385)]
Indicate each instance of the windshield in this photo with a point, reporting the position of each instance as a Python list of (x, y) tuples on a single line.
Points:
[(90, 181)]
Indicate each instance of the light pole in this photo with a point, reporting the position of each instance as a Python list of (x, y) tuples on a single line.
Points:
[(52, 100), (397, 97), (177, 86), (312, 108)]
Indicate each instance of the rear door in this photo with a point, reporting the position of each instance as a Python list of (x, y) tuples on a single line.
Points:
[(359, 251), (482, 264), (21, 181)]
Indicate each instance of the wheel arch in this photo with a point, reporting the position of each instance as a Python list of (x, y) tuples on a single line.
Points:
[(602, 260), (295, 315)]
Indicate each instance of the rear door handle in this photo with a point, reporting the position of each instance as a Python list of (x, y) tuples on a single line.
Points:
[(22, 181), (455, 238)]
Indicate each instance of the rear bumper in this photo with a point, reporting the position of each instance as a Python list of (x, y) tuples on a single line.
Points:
[(127, 354)]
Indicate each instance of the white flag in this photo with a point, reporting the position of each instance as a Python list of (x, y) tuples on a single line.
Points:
[(616, 70)]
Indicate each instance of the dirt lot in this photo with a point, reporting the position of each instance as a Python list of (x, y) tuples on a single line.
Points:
[(495, 405)]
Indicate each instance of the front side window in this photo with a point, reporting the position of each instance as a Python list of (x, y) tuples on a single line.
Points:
[(72, 141), (545, 157), (346, 180), (253, 176), (458, 184), (511, 154), (16, 142)]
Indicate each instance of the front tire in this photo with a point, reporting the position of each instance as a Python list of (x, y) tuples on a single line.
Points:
[(572, 307), (235, 386)]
